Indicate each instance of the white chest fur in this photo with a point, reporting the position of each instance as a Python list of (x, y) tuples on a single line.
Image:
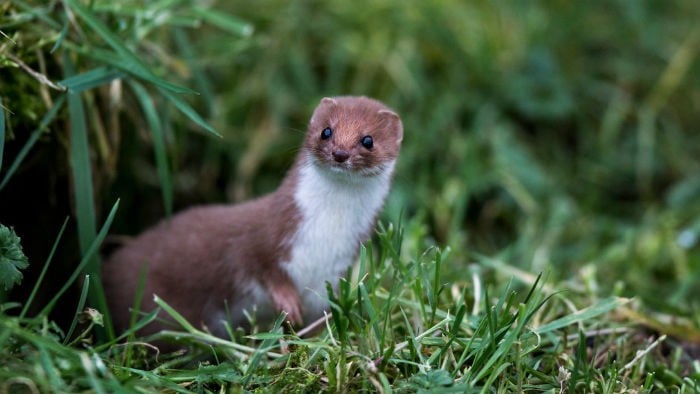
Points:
[(337, 209)]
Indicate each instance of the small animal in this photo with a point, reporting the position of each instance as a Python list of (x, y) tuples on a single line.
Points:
[(274, 253)]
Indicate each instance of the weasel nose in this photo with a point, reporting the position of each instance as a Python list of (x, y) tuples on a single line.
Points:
[(340, 155)]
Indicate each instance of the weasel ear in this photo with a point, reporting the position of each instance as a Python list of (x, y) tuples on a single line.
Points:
[(328, 101), (325, 102), (396, 120), (388, 112)]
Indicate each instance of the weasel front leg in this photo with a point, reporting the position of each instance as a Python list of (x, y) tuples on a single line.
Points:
[(285, 296)]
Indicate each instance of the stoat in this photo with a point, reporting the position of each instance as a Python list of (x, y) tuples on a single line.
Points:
[(274, 253)]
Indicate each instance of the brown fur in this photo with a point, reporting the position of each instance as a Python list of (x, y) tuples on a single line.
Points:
[(203, 251), (351, 120)]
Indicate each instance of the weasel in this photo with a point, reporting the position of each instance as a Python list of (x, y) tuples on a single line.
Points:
[(274, 253)]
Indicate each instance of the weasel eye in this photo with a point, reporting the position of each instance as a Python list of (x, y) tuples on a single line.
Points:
[(367, 142), (326, 133)]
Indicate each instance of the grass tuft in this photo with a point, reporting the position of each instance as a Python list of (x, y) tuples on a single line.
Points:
[(432, 340)]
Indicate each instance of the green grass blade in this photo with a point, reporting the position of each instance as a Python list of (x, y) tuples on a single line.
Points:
[(505, 342), (58, 104), (141, 323), (62, 36), (115, 60), (81, 305), (82, 174), (369, 309), (81, 169), (604, 306), (174, 314), (194, 64), (498, 370), (157, 134), (98, 27), (45, 268), (91, 79), (85, 259), (2, 131), (266, 345), (155, 379), (189, 111), (51, 370), (138, 296), (224, 21), (136, 310), (90, 369)]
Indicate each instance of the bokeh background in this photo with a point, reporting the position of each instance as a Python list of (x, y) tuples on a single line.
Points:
[(540, 136)]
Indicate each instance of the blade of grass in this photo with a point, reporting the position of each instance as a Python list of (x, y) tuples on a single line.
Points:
[(144, 321), (115, 60), (157, 134), (188, 111), (82, 188), (83, 194), (91, 79), (436, 287), (81, 305), (45, 268), (224, 21), (174, 314), (202, 82), (488, 385), (138, 296), (197, 335), (90, 368), (604, 306), (2, 131), (505, 344), (369, 309), (265, 346), (135, 311), (85, 259), (156, 380), (51, 371), (62, 35), (33, 139)]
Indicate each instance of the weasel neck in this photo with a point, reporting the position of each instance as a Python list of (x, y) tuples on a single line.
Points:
[(338, 212), (349, 203)]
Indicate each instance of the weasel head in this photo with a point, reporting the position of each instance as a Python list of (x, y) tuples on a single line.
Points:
[(357, 136)]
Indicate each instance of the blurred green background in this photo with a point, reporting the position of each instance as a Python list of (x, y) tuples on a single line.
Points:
[(542, 135)]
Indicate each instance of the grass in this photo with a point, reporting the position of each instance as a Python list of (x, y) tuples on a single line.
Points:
[(396, 327), (541, 234)]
